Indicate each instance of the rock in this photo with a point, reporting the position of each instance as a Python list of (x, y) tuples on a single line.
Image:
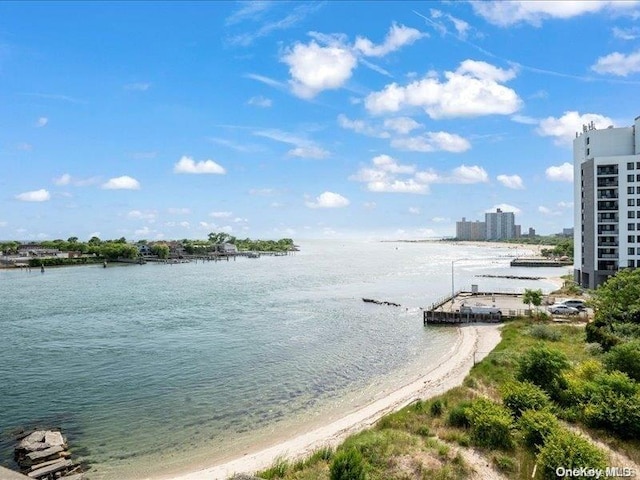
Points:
[(33, 442), (56, 467), (40, 455), (54, 439), (244, 476)]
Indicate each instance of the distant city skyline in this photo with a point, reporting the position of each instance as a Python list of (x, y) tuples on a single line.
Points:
[(290, 119)]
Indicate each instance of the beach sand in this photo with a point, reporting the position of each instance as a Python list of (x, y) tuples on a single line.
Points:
[(473, 344)]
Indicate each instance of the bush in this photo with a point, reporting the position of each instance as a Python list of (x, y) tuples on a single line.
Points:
[(436, 408), (521, 396), (491, 424), (568, 450), (625, 357), (348, 465), (459, 415), (505, 464), (544, 367), (536, 426), (545, 332)]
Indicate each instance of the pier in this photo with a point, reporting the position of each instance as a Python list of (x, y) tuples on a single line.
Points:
[(539, 262), (447, 311)]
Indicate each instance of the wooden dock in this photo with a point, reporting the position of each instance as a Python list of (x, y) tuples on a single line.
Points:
[(445, 311), (539, 262)]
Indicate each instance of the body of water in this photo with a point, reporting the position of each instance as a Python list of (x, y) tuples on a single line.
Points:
[(149, 369)]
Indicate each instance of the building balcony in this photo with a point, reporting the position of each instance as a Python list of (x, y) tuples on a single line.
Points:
[(602, 231), (607, 255), (607, 244), (607, 265)]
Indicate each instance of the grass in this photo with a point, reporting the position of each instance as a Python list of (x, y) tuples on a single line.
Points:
[(419, 442)]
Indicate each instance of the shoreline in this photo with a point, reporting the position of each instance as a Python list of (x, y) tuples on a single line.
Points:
[(473, 344)]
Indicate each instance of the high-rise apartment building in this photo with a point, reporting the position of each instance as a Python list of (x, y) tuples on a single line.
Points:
[(470, 230), (607, 202), (500, 225)]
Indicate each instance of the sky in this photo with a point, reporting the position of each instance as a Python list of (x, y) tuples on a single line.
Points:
[(379, 120)]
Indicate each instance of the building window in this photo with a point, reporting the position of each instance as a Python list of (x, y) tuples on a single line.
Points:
[(631, 202), (588, 140), (631, 227), (632, 263), (638, 178), (631, 190), (631, 239), (630, 178), (631, 251), (631, 214), (629, 165), (587, 152), (638, 165)]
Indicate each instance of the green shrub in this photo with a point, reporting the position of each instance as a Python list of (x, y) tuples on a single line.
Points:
[(277, 470), (536, 425), (348, 465), (545, 332), (568, 450), (505, 463), (322, 454), (436, 408), (491, 424), (459, 415), (521, 396), (593, 348), (625, 357), (544, 367)]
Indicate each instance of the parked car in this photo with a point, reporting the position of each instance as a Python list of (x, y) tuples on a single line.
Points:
[(561, 309), (579, 304)]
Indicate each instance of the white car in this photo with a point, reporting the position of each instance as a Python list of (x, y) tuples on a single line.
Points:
[(561, 309)]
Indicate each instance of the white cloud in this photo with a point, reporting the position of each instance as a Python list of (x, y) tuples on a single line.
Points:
[(432, 142), (140, 215), (188, 165), (468, 174), (4, 224), (472, 90), (397, 37), (220, 214), (360, 126), (414, 210), (143, 232), (524, 119), (369, 205), (137, 87), (66, 179), (398, 186), (122, 183), (439, 220), (564, 129), (314, 68), (310, 151), (547, 211), (402, 125), (260, 101), (565, 204), (41, 195), (505, 14), (329, 200), (560, 173), (505, 207), (618, 64), (511, 181), (41, 122), (626, 33), (389, 164)]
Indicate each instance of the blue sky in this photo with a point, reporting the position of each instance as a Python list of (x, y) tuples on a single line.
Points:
[(302, 119)]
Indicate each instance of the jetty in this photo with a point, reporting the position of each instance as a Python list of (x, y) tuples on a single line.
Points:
[(44, 455), (540, 262)]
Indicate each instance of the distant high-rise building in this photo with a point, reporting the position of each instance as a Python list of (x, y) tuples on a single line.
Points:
[(532, 232), (470, 230), (567, 232), (500, 225), (607, 202)]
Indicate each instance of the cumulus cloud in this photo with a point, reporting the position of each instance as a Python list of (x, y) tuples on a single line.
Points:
[(314, 68), (41, 122), (511, 181), (386, 174), (360, 126), (547, 211), (64, 179), (402, 125), (397, 37), (432, 142), (626, 33), (505, 14), (414, 210), (328, 200), (260, 101), (41, 195), (564, 129), (304, 148), (188, 165), (140, 215), (618, 64), (124, 182), (560, 173), (179, 211), (67, 179), (472, 90)]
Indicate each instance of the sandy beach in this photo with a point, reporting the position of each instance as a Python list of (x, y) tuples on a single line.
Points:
[(474, 342)]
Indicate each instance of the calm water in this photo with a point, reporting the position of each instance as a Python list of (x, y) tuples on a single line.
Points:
[(148, 368)]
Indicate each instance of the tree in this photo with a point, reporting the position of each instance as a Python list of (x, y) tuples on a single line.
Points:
[(72, 240), (532, 297), (95, 241), (161, 250), (625, 358)]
